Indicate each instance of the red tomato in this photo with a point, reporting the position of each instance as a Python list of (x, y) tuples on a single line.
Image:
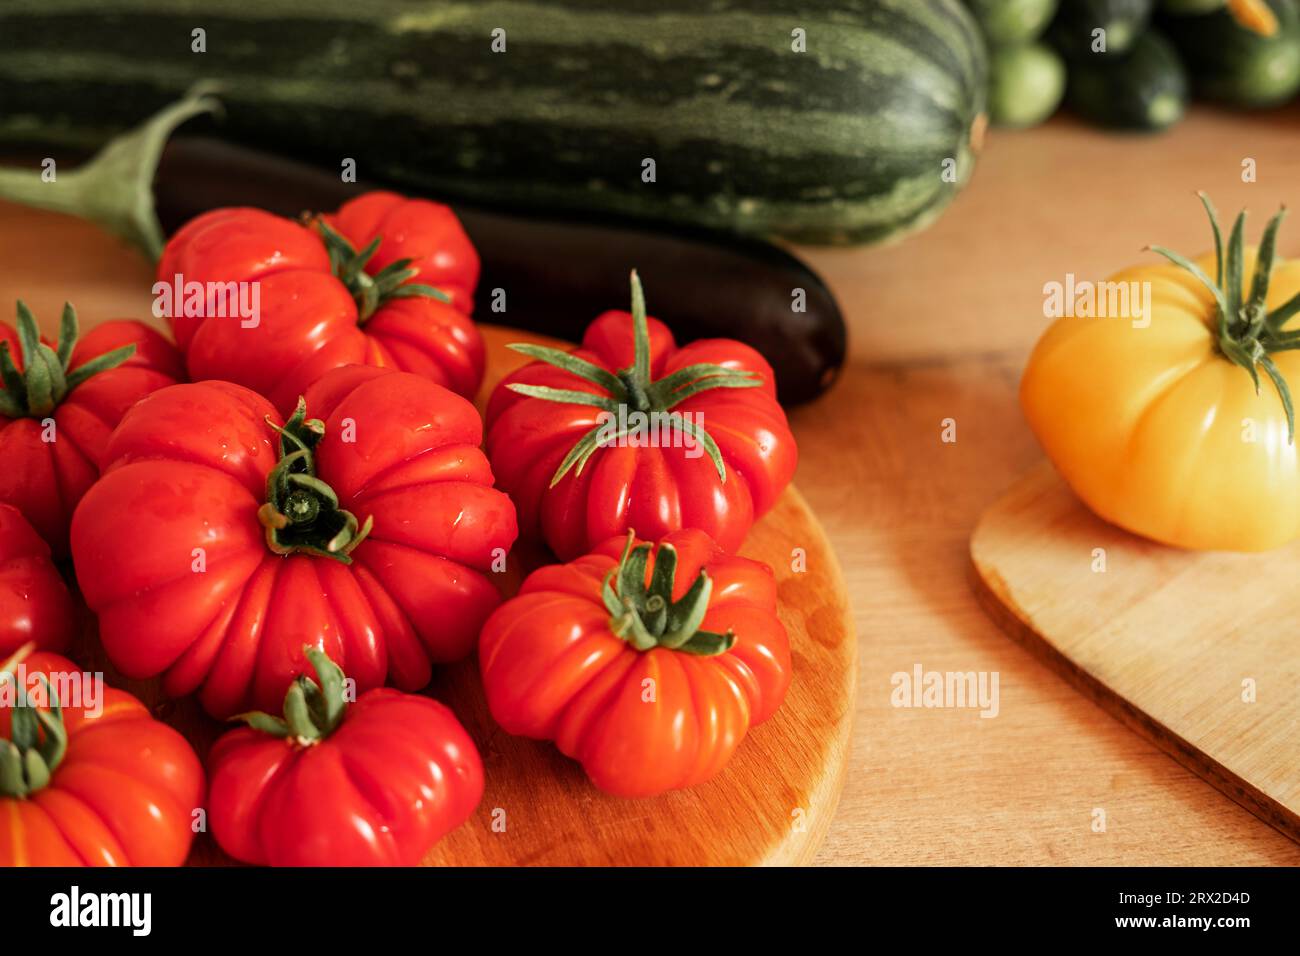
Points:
[(375, 783), (649, 672), (34, 603), (323, 303), (105, 785), (212, 552), (576, 483), (52, 442)]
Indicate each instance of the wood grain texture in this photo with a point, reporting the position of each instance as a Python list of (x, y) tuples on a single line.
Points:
[(940, 326), (1163, 639)]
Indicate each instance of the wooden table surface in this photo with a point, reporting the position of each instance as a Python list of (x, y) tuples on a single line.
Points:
[(941, 325)]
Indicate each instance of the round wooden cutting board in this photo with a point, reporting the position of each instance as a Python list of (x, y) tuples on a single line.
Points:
[(771, 805)]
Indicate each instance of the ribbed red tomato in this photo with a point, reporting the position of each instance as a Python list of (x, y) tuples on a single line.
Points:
[(712, 451), (35, 606), (56, 412), (95, 782), (373, 783), (649, 671), (217, 544), (360, 286)]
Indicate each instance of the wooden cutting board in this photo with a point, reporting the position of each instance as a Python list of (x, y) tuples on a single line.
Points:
[(773, 802), (1197, 651)]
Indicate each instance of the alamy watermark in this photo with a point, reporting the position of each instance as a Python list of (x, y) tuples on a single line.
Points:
[(241, 300), (630, 428), (69, 688), (129, 910), (1098, 300), (946, 689)]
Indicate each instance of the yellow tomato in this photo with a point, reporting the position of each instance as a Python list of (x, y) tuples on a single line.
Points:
[(1156, 429)]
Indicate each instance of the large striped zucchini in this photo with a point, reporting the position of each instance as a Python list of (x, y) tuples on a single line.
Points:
[(866, 134)]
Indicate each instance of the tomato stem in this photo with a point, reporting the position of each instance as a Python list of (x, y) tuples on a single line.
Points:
[(45, 380), (632, 389), (312, 710), (38, 740), (1247, 330), (302, 513), (371, 291), (647, 617)]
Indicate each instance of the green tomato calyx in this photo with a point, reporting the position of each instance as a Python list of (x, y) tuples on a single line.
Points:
[(37, 742), (648, 617), (630, 389), (371, 291), (45, 379), (313, 709), (302, 513), (1247, 331)]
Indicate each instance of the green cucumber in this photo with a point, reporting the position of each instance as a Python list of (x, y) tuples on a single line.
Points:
[(1026, 84), (1235, 65), (1012, 22), (829, 121), (1085, 28), (1146, 89)]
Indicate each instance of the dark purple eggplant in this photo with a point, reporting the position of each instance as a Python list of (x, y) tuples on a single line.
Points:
[(558, 275)]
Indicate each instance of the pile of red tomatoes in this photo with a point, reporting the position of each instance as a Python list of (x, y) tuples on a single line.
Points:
[(297, 519)]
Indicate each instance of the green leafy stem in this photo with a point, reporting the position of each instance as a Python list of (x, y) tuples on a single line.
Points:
[(38, 740), (648, 617), (45, 380), (1248, 333), (313, 709), (302, 513), (631, 389)]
